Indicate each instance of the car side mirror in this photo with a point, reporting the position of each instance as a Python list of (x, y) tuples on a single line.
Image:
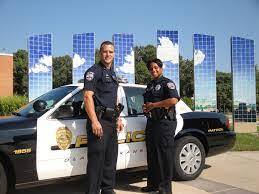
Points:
[(40, 105), (64, 111)]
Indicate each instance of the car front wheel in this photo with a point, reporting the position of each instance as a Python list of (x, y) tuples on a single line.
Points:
[(3, 180), (189, 158)]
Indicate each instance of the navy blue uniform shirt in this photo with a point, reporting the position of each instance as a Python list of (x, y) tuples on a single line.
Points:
[(160, 89), (103, 82)]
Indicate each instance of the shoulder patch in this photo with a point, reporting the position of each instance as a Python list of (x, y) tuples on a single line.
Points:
[(89, 76), (171, 85)]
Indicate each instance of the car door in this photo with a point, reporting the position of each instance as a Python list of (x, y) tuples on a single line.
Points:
[(61, 140), (135, 127)]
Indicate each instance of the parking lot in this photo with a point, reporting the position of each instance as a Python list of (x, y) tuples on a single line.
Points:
[(228, 173)]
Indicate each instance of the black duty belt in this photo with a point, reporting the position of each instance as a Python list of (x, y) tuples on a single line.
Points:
[(108, 114), (160, 114)]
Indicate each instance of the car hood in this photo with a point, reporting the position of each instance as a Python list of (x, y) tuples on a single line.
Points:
[(17, 122)]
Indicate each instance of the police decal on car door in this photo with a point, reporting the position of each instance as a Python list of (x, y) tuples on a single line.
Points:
[(61, 140)]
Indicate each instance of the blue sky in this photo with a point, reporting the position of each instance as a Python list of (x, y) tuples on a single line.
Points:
[(63, 18)]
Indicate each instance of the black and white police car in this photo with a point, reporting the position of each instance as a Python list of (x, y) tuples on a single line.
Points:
[(46, 139)]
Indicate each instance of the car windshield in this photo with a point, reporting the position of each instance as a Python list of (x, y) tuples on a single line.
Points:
[(51, 97)]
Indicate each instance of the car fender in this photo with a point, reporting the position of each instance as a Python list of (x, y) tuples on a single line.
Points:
[(201, 135), (179, 126)]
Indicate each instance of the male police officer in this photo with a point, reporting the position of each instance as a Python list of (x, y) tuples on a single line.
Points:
[(100, 98), (160, 98)]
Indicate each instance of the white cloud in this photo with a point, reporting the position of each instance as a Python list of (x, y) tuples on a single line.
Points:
[(199, 57), (78, 61), (168, 51), (128, 66), (39, 68), (43, 65), (46, 60)]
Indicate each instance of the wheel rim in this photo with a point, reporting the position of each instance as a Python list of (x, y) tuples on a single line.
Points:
[(190, 158)]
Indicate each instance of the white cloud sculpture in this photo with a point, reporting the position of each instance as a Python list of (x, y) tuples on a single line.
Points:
[(42, 65), (168, 51), (78, 61), (199, 57), (46, 60), (128, 66)]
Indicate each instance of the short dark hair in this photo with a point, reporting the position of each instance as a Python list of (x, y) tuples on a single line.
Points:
[(104, 43), (156, 61)]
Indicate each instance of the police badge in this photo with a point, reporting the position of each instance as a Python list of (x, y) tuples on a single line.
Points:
[(157, 87), (63, 138)]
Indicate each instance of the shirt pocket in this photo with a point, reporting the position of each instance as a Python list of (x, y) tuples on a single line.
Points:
[(157, 93), (107, 82)]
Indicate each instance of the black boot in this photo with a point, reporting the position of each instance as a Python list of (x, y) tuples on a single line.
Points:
[(108, 192), (148, 189), (164, 192)]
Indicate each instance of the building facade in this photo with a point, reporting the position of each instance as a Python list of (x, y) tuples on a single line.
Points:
[(6, 74)]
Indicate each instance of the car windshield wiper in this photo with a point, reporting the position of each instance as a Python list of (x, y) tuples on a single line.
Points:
[(16, 114)]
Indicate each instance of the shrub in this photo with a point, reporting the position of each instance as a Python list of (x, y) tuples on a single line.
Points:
[(10, 104), (189, 102)]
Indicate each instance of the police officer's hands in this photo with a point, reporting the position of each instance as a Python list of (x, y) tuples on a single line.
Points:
[(97, 129), (148, 107), (144, 108), (119, 125)]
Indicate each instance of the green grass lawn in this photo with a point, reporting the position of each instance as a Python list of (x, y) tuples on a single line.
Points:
[(246, 142)]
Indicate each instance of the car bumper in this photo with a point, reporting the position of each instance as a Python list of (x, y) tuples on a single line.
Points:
[(220, 142)]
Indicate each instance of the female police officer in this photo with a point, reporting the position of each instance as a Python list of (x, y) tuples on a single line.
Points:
[(160, 98)]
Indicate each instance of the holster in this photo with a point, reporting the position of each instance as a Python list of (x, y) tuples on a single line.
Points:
[(109, 114), (99, 110), (118, 109), (171, 114), (158, 113)]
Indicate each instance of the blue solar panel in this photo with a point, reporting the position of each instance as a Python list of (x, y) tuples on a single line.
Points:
[(168, 52), (40, 65), (244, 83), (83, 54), (124, 62), (204, 73)]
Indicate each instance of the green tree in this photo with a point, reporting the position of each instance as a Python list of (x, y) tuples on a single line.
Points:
[(186, 77), (224, 92), (97, 56), (62, 71), (20, 72), (189, 102), (142, 55), (142, 75)]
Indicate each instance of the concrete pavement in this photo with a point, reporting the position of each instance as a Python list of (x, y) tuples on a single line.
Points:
[(228, 173), (131, 181), (178, 188), (238, 169)]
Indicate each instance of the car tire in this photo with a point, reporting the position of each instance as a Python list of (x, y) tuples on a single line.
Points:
[(189, 158), (3, 180)]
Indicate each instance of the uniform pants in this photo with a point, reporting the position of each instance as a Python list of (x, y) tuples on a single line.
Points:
[(160, 144), (102, 159)]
